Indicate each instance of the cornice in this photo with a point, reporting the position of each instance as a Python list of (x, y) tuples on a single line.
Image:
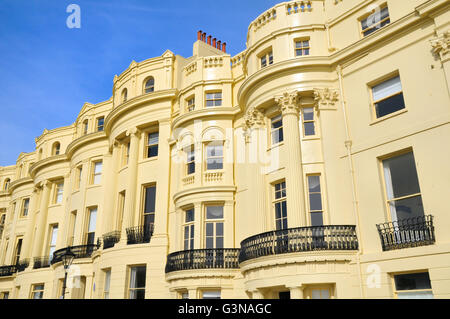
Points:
[(19, 182), (202, 113), (45, 162), (124, 108), (202, 189), (5, 193), (85, 139), (203, 273)]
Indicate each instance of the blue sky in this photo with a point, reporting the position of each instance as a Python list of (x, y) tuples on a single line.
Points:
[(49, 71)]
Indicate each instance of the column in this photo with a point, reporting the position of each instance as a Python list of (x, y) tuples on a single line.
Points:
[(110, 211), (42, 219), (289, 105), (296, 292), (28, 238), (192, 293), (257, 294), (130, 195)]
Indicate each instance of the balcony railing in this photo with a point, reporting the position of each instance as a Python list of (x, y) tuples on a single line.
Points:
[(406, 233), (219, 258), (82, 251), (41, 262), (336, 237), (6, 271), (22, 265), (139, 234), (110, 239)]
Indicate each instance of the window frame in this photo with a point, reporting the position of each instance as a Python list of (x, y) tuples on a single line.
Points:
[(309, 193), (25, 207), (215, 222), (206, 158), (302, 48), (214, 100), (279, 200), (78, 177), (58, 192), (267, 57), (149, 88), (189, 242), (33, 290), (87, 228), (279, 118), (190, 103), (375, 25), (106, 283), (94, 174), (144, 201), (313, 121), (100, 125), (124, 95), (190, 159), (148, 146), (371, 85), (50, 240), (129, 288), (394, 286)]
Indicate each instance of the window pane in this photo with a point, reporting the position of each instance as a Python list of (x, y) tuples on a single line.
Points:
[(393, 104), (190, 215), (214, 212), (412, 281), (152, 151), (214, 164), (317, 219), (387, 88), (214, 150), (92, 219), (150, 198), (209, 229), (309, 128), (211, 295), (315, 201), (153, 138), (408, 208), (308, 114), (402, 175), (415, 295), (219, 242), (219, 229), (314, 184), (209, 242)]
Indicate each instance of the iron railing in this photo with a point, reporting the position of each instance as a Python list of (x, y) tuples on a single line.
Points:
[(333, 237), (22, 264), (82, 251), (41, 262), (139, 234), (406, 233), (6, 271), (226, 258), (110, 239)]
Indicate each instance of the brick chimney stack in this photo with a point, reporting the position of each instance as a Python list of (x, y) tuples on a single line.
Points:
[(201, 36)]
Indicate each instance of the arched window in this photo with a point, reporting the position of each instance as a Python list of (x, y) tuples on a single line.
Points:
[(124, 95), (6, 184), (56, 148), (150, 85)]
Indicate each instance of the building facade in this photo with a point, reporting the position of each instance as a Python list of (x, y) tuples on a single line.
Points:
[(303, 167)]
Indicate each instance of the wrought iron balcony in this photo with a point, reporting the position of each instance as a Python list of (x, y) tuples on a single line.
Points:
[(139, 234), (406, 233), (219, 258), (41, 262), (335, 237), (22, 265), (110, 239), (82, 251), (6, 271)]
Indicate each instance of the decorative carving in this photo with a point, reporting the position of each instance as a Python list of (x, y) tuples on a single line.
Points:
[(441, 44), (133, 131), (325, 98), (254, 117), (289, 102)]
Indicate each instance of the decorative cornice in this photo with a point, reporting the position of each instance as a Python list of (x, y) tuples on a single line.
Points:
[(289, 102), (441, 44), (325, 98)]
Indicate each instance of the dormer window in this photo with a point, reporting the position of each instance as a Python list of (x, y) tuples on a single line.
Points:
[(150, 85)]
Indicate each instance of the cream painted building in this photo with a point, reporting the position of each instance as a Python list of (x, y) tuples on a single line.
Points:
[(313, 164)]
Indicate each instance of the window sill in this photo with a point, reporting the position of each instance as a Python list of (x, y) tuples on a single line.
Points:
[(76, 191), (55, 205), (311, 138), (275, 146), (386, 117), (93, 186), (123, 168), (148, 159)]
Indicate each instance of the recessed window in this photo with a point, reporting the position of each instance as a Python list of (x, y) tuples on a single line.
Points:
[(266, 59), (17, 251), (152, 144), (189, 229), (149, 208), (126, 153), (91, 224), (85, 127), (96, 173), (79, 172), (214, 155), (404, 199), (277, 129), (106, 286), (56, 149), (6, 184), (124, 95), (37, 291), (375, 21), (280, 206), (4, 295), (100, 124), (211, 294), (213, 99), (315, 200), (136, 286), (25, 207), (309, 127), (191, 104), (72, 224), (190, 165), (214, 232), (52, 242), (59, 193), (388, 97), (302, 47), (413, 286), (149, 85)]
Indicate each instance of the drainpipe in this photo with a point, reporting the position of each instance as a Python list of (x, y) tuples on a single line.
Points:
[(348, 146)]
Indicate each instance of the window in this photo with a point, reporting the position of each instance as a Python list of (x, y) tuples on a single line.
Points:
[(52, 244), (92, 221), (214, 155), (73, 220), (149, 208), (320, 292), (37, 291), (214, 234), (183, 295), (302, 48), (100, 124), (149, 85), (276, 130), (152, 144), (6, 184), (107, 274), (17, 251), (315, 200), (213, 99), (280, 206), (25, 207), (137, 282), (85, 127), (375, 21), (79, 172), (388, 97), (2, 221), (121, 206), (126, 153), (413, 286), (124, 95), (190, 165), (56, 148), (97, 172), (266, 59), (189, 229), (191, 104), (4, 295), (402, 187), (309, 128), (211, 294), (59, 192)]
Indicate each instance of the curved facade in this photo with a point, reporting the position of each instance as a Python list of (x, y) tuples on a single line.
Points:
[(310, 165)]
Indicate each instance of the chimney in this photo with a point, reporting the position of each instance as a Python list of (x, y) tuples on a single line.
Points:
[(209, 39), (204, 37), (199, 35), (219, 45), (224, 47), (214, 42)]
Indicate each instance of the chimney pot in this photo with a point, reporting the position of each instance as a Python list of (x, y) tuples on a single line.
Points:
[(209, 39), (224, 47), (219, 45), (214, 42), (204, 37), (199, 35)]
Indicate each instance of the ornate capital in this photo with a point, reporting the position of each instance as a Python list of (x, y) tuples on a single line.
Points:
[(289, 102), (441, 44), (133, 131), (254, 117), (325, 98)]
